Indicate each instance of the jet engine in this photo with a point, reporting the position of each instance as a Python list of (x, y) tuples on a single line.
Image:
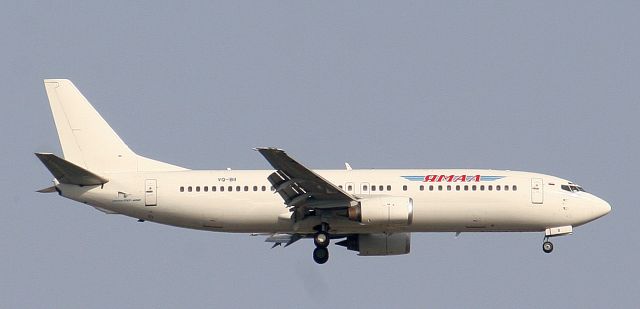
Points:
[(390, 210), (378, 244)]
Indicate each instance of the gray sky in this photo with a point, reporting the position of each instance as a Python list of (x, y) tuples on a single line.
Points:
[(547, 87)]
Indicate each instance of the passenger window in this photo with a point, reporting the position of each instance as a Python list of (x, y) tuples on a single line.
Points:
[(213, 188), (189, 189), (264, 188), (246, 188), (514, 188), (181, 189), (404, 188), (448, 187), (221, 189), (255, 188), (466, 187), (381, 188), (388, 187), (373, 188), (365, 188), (497, 188), (458, 188), (439, 188), (272, 188), (473, 188), (229, 188), (206, 189), (237, 188), (481, 187), (421, 188), (340, 186), (431, 188), (349, 188), (490, 188), (506, 188)]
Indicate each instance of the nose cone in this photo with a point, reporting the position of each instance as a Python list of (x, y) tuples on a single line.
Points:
[(601, 208)]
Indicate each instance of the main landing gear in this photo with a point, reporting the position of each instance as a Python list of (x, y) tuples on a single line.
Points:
[(547, 246), (321, 239)]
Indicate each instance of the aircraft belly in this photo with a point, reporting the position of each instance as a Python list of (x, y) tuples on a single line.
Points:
[(479, 216), (255, 217)]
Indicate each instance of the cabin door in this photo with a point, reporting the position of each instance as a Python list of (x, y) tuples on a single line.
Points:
[(537, 191), (150, 195)]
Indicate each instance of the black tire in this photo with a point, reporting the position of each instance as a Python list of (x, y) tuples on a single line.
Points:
[(321, 255), (321, 239), (547, 247)]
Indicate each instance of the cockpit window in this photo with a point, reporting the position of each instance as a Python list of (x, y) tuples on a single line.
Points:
[(572, 188)]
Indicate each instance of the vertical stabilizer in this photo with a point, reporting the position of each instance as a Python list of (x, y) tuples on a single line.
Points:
[(86, 138)]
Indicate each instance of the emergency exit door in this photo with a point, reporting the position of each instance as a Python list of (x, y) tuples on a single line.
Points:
[(150, 194), (537, 192)]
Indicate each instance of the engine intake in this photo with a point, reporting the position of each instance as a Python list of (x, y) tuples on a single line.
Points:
[(393, 211)]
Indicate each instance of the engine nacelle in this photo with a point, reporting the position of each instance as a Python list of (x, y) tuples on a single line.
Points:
[(389, 210), (378, 244)]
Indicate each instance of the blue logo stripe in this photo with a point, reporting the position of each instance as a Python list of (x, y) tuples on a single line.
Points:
[(469, 178)]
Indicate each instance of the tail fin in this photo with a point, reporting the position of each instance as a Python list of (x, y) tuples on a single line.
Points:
[(86, 138)]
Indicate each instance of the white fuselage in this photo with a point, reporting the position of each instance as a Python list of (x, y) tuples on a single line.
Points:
[(443, 201)]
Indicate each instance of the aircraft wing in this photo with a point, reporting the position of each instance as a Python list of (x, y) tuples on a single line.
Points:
[(300, 186)]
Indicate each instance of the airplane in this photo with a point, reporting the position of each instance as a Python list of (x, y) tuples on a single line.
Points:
[(370, 211)]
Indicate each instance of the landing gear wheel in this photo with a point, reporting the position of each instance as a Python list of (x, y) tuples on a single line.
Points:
[(320, 255), (321, 240), (547, 247)]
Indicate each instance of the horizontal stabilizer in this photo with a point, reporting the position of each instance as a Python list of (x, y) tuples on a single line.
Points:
[(69, 173)]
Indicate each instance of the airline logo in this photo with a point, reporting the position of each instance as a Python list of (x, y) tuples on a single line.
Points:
[(452, 178)]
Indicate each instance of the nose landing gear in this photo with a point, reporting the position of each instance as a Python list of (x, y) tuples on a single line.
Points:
[(547, 246)]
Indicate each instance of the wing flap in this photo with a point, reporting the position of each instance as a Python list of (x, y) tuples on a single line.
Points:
[(283, 238), (301, 187)]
